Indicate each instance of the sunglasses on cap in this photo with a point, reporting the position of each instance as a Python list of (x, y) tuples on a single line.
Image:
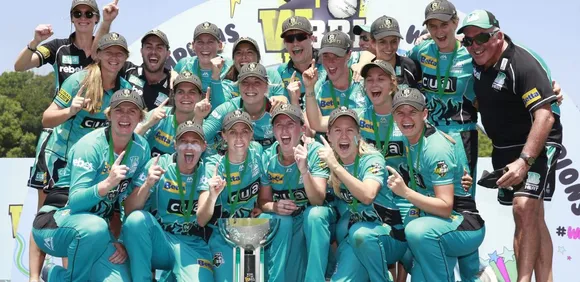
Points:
[(480, 39), (79, 14), (365, 38), (299, 36)]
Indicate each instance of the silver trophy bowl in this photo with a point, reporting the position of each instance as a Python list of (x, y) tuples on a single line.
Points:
[(248, 233)]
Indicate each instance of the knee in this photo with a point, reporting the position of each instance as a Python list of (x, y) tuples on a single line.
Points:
[(95, 228), (526, 209), (416, 232), (360, 235), (316, 215), (135, 221)]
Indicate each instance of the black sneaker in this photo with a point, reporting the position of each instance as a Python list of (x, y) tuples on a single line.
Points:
[(46, 271)]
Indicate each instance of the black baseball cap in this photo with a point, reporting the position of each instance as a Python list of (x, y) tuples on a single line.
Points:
[(235, 117), (207, 28), (385, 26), (253, 69), (157, 33), (343, 111), (187, 76), (127, 95), (358, 29), (189, 126), (112, 39), (442, 10), (292, 111), (384, 65), (335, 42), (479, 18), (296, 23), (411, 97), (246, 40)]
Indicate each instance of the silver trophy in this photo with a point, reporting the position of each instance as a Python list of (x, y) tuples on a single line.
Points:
[(248, 237)]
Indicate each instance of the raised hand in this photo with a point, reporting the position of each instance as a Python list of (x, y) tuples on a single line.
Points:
[(300, 155), (396, 182), (158, 113), (278, 100), (42, 32), (111, 11), (217, 64), (310, 76), (294, 89), (79, 101), (326, 154), (203, 107), (216, 184), (118, 171), (155, 173)]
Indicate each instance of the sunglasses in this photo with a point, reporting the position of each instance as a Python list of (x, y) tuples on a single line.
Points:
[(480, 39), (79, 14), (299, 36), (364, 38)]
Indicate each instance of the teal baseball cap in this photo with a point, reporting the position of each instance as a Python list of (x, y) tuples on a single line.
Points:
[(479, 18)]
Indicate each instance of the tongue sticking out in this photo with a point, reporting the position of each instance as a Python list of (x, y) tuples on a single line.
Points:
[(189, 158)]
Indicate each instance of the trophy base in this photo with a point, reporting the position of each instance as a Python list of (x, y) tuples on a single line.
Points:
[(248, 265)]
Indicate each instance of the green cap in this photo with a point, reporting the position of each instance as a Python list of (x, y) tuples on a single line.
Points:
[(384, 65), (479, 18), (207, 28), (253, 69), (112, 39), (235, 117), (335, 42), (127, 95), (187, 76), (189, 126), (342, 111), (292, 111), (411, 97), (296, 23), (385, 26)]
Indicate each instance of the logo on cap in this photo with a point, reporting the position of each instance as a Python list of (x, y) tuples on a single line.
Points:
[(126, 92), (284, 107), (435, 6), (473, 17), (189, 123), (206, 25), (388, 23), (114, 36), (406, 92), (186, 74), (252, 66), (331, 38), (237, 113), (292, 21), (342, 109)]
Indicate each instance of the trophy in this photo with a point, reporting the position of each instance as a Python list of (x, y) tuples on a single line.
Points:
[(248, 237)]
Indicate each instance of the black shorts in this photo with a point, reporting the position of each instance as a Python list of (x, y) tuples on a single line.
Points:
[(39, 178), (470, 145), (539, 183)]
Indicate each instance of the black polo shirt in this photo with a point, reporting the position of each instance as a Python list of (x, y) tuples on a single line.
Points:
[(509, 92), (153, 94), (64, 56)]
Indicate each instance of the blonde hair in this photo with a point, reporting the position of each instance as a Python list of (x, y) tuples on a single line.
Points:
[(93, 88), (363, 149), (107, 113)]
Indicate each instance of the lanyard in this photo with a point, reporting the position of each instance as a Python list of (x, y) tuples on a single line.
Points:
[(186, 209), (410, 162), (112, 150), (229, 182), (199, 71), (383, 147), (441, 88), (289, 183), (335, 103), (352, 206), (262, 110)]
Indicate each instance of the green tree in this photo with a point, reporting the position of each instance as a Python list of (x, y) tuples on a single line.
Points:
[(485, 146), (23, 98)]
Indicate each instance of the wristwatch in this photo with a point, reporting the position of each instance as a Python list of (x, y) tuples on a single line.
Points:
[(528, 159)]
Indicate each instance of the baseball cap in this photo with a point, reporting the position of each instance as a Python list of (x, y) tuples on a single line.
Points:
[(187, 76), (296, 23), (253, 69), (246, 40), (384, 65), (235, 117), (342, 111), (91, 3), (358, 29), (385, 26), (442, 10), (127, 95), (411, 97), (112, 39), (157, 33), (292, 111), (335, 42), (207, 28), (189, 126), (479, 18)]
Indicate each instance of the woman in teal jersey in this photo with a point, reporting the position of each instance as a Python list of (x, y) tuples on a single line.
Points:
[(161, 124), (162, 213), (443, 227), (241, 172), (369, 230), (245, 51), (102, 167), (253, 82), (297, 180)]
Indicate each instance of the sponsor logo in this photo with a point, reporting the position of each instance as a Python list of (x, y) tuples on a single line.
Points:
[(428, 61), (163, 138), (70, 69), (299, 195), (245, 194), (171, 187), (326, 104), (94, 123), (70, 60), (134, 164), (441, 169), (376, 168), (216, 115), (533, 181), (218, 259), (142, 177), (276, 178), (82, 164), (499, 81), (205, 264), (430, 83), (174, 207), (531, 96), (44, 52), (476, 73), (48, 242), (136, 81), (161, 97), (366, 125), (64, 96)]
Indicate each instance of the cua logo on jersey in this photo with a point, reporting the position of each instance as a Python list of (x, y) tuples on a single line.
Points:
[(246, 194), (430, 83), (83, 164), (94, 123), (174, 207)]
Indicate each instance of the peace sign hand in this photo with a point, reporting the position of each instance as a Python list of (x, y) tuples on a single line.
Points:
[(79, 101), (118, 171), (326, 154), (397, 183)]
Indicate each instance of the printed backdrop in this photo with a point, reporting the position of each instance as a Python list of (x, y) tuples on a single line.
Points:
[(261, 20)]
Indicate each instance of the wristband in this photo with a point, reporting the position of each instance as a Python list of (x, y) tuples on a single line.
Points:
[(30, 48)]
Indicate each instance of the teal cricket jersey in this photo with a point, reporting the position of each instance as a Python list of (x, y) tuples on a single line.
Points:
[(191, 64), (438, 163), (394, 152), (286, 181), (165, 202), (263, 133), (160, 136), (245, 179), (353, 97), (90, 164), (69, 132), (453, 110), (275, 85)]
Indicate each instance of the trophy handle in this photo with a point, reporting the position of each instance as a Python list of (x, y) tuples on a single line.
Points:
[(222, 229)]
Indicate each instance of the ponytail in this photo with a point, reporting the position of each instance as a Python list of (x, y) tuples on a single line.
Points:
[(93, 88)]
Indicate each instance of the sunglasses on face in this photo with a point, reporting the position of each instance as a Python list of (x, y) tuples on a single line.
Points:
[(300, 37), (480, 39), (79, 14), (364, 38)]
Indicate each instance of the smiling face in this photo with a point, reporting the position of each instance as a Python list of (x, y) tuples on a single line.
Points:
[(238, 138), (341, 136), (484, 53), (335, 66), (124, 118), (245, 53), (300, 51), (366, 43), (253, 90), (189, 148), (112, 59), (410, 120), (443, 33), (154, 53), (84, 24), (387, 47), (206, 47), (379, 85), (186, 96), (287, 132)]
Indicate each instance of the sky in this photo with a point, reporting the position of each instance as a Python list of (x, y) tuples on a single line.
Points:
[(544, 26)]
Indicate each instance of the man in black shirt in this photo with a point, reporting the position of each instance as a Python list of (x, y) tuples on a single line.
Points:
[(520, 115)]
